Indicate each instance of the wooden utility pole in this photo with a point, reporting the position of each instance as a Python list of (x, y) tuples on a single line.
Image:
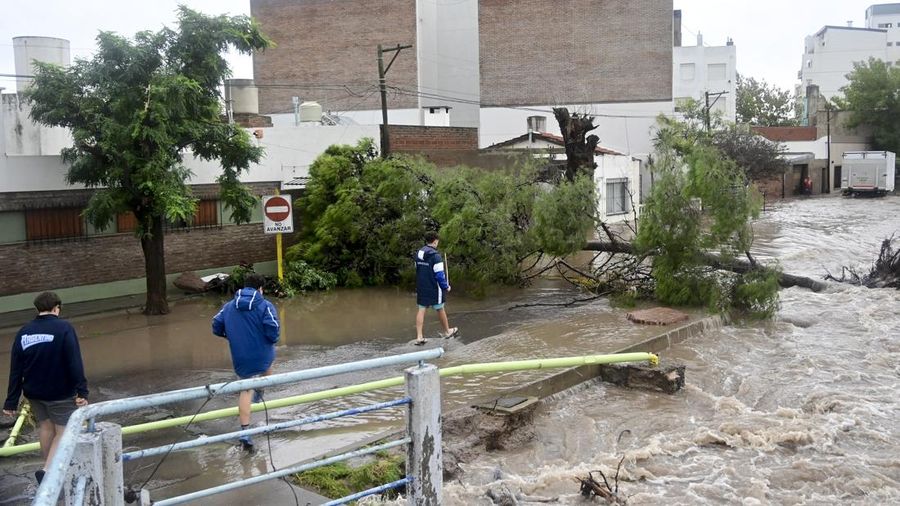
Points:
[(382, 84), (709, 106)]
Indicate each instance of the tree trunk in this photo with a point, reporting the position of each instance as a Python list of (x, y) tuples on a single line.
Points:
[(152, 243), (735, 265)]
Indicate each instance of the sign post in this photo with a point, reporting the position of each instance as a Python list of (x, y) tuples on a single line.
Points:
[(277, 219)]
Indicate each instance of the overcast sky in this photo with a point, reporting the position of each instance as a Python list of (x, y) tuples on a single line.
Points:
[(768, 33)]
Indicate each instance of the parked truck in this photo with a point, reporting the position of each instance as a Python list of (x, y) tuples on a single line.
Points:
[(867, 173)]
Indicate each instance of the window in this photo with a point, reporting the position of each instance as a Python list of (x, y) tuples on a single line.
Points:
[(715, 71), (12, 227), (890, 44), (618, 201), (687, 71), (53, 223), (207, 214), (885, 25)]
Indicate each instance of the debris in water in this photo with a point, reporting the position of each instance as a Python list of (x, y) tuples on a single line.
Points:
[(591, 488)]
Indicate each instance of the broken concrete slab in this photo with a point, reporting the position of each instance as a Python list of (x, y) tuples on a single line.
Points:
[(668, 378)]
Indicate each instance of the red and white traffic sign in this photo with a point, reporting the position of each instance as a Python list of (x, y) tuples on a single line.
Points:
[(277, 215)]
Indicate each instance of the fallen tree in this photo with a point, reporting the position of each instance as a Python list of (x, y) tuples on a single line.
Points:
[(884, 273), (734, 265)]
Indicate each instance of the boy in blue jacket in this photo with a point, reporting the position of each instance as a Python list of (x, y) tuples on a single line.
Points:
[(431, 286), (250, 324)]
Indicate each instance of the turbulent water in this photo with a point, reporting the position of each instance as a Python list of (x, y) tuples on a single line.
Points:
[(802, 410)]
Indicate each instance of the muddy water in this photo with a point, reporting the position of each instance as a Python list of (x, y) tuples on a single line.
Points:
[(802, 410), (798, 410), (130, 354)]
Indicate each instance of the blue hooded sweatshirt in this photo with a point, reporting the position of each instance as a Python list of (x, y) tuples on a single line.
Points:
[(250, 323)]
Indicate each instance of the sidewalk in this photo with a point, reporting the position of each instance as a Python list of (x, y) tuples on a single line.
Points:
[(15, 319)]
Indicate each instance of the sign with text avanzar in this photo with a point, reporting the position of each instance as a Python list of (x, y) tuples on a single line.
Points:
[(277, 215)]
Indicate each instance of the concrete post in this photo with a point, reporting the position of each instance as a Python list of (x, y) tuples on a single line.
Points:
[(98, 455), (424, 461)]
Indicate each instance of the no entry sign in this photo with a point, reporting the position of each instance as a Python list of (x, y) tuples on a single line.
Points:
[(277, 218)]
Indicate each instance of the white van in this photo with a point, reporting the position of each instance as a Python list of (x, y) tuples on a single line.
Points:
[(867, 173)]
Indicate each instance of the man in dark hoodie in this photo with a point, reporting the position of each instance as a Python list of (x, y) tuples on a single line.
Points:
[(431, 286), (45, 363), (250, 323)]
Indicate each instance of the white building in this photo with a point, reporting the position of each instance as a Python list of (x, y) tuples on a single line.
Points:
[(698, 70), (617, 175), (830, 53)]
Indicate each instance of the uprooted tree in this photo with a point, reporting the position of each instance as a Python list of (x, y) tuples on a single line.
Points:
[(134, 109), (363, 216), (884, 272)]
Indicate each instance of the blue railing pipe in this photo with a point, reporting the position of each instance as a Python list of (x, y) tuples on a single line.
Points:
[(280, 473), (50, 488), (372, 491), (206, 440)]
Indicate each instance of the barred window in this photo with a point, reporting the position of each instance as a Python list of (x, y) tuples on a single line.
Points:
[(53, 223)]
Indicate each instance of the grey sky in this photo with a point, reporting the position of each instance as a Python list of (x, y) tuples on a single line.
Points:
[(768, 33)]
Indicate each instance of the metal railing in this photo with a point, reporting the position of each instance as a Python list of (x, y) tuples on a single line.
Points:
[(88, 461)]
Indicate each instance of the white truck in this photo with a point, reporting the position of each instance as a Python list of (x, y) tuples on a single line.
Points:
[(867, 173)]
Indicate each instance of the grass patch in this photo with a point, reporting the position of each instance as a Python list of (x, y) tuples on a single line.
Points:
[(340, 479)]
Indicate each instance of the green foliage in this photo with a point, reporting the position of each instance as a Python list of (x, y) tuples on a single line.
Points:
[(362, 217), (235, 280), (752, 293), (299, 276), (873, 98), (137, 105), (763, 104), (135, 109), (699, 203), (341, 479), (563, 215)]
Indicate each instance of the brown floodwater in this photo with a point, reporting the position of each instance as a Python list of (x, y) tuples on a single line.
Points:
[(800, 410)]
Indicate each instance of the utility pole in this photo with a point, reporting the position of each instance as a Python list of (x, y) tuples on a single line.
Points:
[(828, 135), (382, 84), (709, 106)]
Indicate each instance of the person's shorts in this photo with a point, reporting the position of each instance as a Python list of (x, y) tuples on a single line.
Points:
[(436, 307), (57, 412)]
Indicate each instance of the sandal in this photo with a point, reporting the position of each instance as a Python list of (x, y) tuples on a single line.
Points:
[(419, 343), (453, 331)]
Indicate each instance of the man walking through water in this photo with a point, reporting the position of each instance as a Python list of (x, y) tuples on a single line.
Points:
[(45, 363), (431, 287), (250, 323)]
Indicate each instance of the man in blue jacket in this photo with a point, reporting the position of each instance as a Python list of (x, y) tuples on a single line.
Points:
[(250, 323), (432, 286), (45, 364)]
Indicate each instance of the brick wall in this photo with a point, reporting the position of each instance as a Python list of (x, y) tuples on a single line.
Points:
[(29, 267), (35, 267), (414, 139), (575, 51), (327, 43)]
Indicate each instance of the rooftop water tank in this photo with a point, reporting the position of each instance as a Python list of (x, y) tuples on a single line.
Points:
[(43, 49), (243, 94), (310, 111)]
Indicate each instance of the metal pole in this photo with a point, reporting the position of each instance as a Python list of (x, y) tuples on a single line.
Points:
[(424, 461), (828, 134), (382, 85), (707, 111)]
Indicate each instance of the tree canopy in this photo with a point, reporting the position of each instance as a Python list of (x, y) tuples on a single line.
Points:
[(362, 217), (135, 109), (763, 104), (701, 203), (873, 98)]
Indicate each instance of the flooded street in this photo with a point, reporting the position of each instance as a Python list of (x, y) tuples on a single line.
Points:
[(802, 410)]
